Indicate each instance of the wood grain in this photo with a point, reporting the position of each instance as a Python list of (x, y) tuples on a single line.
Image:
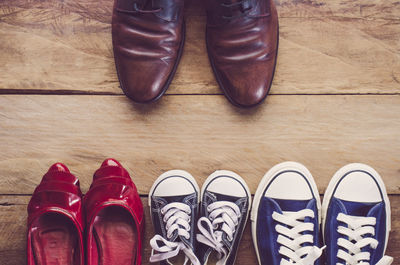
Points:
[(13, 233), (326, 47), (64, 47), (366, 9), (199, 134)]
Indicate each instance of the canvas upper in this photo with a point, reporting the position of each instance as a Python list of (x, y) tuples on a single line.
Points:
[(174, 205), (224, 210), (356, 203), (285, 217)]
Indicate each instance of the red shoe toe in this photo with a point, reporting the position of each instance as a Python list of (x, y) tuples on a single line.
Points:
[(111, 162), (59, 167), (55, 231)]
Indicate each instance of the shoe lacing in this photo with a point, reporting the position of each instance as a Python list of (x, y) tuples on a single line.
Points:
[(223, 218), (137, 9), (243, 6), (176, 217), (292, 238), (357, 234)]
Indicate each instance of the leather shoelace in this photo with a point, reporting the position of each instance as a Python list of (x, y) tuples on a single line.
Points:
[(240, 5), (243, 6), (136, 10)]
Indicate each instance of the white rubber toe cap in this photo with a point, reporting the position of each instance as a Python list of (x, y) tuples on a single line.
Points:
[(358, 186), (289, 185), (227, 183), (228, 186), (174, 183)]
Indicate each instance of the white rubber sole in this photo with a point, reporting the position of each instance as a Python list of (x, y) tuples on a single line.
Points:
[(175, 172), (268, 177), (336, 178), (232, 174)]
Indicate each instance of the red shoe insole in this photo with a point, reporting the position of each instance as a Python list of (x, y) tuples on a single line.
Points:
[(115, 234), (55, 241)]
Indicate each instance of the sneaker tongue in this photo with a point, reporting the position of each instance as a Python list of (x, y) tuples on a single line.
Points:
[(372, 212), (293, 205), (224, 197), (170, 199), (359, 208)]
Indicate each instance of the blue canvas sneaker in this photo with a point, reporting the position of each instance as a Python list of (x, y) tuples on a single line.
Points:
[(174, 204), (225, 206), (356, 217), (286, 217)]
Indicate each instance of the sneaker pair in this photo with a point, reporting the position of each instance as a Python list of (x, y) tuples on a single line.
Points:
[(355, 216), (220, 211)]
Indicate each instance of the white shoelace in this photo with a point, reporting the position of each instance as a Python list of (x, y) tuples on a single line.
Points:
[(176, 217), (292, 239), (356, 231), (223, 217)]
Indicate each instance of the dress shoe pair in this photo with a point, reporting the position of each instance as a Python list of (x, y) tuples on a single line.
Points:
[(287, 214), (105, 226), (241, 37)]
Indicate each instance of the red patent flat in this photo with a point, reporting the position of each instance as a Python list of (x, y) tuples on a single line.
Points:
[(114, 217), (55, 230)]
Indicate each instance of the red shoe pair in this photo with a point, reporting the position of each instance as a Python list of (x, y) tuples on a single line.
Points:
[(113, 223)]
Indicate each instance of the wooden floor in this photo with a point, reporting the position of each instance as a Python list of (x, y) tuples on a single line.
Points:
[(335, 100)]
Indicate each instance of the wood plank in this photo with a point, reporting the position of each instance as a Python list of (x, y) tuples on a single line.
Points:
[(326, 47), (13, 233), (199, 134), (367, 9)]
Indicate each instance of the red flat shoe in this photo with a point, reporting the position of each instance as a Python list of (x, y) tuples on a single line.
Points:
[(114, 217), (55, 231)]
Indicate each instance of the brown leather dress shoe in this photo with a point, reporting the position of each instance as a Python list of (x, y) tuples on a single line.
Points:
[(242, 44), (148, 37)]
